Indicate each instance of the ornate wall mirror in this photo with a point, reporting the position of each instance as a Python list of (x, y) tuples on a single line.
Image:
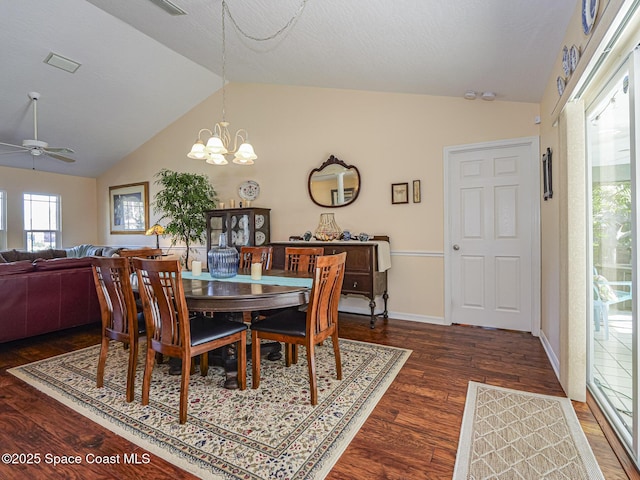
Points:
[(334, 183)]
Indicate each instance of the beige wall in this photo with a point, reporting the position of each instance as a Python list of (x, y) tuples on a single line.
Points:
[(79, 223), (563, 322), (391, 138)]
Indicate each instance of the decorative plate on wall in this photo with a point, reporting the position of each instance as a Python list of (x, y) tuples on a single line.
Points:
[(574, 56), (561, 84), (249, 190), (589, 12), (565, 61)]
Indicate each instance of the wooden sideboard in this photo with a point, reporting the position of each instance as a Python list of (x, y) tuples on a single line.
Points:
[(361, 276)]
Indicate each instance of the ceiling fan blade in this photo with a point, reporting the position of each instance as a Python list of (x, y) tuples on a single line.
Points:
[(15, 152), (14, 146), (60, 157), (58, 150)]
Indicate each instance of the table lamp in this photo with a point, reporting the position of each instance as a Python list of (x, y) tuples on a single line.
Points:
[(156, 230)]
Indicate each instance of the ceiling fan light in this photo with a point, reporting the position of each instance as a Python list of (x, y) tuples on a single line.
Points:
[(215, 146), (197, 151)]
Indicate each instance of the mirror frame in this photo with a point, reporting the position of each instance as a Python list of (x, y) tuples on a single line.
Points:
[(335, 161)]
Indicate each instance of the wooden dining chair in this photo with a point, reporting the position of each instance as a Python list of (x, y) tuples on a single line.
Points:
[(294, 327), (301, 259), (249, 255), (145, 252), (112, 278), (171, 332)]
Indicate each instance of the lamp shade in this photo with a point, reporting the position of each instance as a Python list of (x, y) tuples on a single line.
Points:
[(215, 146), (216, 159), (197, 151), (155, 230), (245, 155)]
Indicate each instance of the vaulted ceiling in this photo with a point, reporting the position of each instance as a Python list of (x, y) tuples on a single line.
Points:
[(142, 68)]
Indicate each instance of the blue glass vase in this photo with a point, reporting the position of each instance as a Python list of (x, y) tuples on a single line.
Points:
[(223, 260)]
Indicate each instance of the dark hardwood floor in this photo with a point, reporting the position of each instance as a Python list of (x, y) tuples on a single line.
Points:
[(411, 434)]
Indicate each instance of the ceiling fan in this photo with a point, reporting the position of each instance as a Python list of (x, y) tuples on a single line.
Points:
[(37, 147)]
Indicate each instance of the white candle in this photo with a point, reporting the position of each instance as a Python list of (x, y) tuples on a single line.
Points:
[(196, 268), (256, 271)]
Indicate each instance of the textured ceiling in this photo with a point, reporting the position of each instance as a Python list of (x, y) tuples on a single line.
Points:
[(134, 52)]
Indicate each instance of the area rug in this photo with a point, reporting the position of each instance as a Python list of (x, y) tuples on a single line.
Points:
[(512, 434), (267, 433)]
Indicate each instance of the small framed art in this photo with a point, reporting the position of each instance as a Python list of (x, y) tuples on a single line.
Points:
[(399, 193), (417, 195)]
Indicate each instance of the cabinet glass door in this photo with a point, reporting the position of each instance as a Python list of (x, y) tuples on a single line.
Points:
[(216, 228), (240, 231)]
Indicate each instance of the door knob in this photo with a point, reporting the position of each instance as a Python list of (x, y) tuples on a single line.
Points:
[(456, 247)]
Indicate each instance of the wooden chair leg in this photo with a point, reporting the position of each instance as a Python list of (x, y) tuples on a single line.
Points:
[(146, 379), (311, 361), (184, 389), (295, 350), (204, 364), (131, 372), (336, 353), (255, 359), (241, 355), (104, 348), (288, 353)]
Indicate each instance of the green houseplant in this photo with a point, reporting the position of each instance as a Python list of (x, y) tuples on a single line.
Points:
[(182, 200)]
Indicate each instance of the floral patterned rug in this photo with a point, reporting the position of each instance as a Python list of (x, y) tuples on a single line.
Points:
[(267, 433)]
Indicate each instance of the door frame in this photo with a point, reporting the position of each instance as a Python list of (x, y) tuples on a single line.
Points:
[(534, 175)]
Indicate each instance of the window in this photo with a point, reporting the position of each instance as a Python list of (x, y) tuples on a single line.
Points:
[(3, 220), (41, 221)]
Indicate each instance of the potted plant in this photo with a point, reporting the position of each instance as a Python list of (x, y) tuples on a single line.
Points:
[(182, 200)]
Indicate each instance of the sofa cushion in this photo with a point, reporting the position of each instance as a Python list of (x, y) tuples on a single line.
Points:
[(12, 268), (10, 255), (84, 250), (62, 263), (17, 255), (110, 251)]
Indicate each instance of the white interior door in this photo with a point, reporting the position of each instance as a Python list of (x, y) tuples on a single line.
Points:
[(491, 250)]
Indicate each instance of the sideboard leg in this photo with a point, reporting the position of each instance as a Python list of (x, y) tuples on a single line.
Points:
[(372, 306), (385, 297)]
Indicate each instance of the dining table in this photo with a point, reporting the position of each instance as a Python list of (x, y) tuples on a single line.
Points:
[(241, 293), (276, 289)]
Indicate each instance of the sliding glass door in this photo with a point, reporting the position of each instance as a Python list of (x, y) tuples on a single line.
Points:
[(612, 333)]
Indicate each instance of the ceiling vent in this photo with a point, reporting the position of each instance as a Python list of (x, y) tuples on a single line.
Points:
[(58, 61), (168, 7)]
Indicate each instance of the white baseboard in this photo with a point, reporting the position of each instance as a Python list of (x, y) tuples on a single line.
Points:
[(555, 364)]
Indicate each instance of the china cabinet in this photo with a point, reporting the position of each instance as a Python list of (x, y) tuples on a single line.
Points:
[(241, 226)]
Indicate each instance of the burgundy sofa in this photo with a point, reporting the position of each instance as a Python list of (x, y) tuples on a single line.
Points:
[(45, 291)]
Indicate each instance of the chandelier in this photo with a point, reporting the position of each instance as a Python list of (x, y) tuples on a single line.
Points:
[(218, 143)]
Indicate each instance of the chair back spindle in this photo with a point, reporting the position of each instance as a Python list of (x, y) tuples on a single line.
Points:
[(301, 259), (249, 255)]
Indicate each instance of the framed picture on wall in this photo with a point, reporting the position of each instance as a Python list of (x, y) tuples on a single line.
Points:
[(399, 193), (547, 179), (129, 208), (417, 195)]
